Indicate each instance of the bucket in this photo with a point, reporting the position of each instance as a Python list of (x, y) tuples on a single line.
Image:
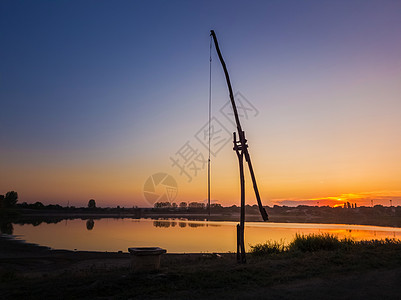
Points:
[(145, 259)]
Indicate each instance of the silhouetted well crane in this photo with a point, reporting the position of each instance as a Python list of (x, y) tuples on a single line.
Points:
[(241, 149)]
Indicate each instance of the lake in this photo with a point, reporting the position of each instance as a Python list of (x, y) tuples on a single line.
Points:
[(179, 236)]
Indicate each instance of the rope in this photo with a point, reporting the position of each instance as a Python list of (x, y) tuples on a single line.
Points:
[(210, 119)]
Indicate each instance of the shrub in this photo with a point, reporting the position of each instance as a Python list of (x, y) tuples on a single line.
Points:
[(315, 242), (270, 247), (386, 242), (318, 242)]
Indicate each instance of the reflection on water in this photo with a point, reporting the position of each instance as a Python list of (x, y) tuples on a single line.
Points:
[(176, 235), (182, 224), (89, 224), (6, 228), (168, 223)]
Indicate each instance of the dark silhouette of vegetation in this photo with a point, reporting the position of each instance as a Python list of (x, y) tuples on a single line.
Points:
[(162, 205), (182, 224), (9, 201), (90, 224), (319, 242), (380, 215), (195, 225), (269, 247), (92, 203), (161, 224), (6, 228), (196, 205), (38, 205)]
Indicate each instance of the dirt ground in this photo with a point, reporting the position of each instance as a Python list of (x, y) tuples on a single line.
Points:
[(32, 272)]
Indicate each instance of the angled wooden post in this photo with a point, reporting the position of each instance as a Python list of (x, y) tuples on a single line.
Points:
[(241, 149)]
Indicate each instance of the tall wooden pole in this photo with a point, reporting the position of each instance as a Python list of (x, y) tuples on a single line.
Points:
[(241, 149), (209, 126), (241, 134), (241, 226)]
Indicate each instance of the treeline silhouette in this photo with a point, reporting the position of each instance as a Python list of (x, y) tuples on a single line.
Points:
[(13, 212), (347, 214)]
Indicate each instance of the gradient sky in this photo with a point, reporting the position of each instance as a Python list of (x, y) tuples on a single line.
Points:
[(96, 96)]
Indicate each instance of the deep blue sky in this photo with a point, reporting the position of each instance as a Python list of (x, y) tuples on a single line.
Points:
[(98, 90)]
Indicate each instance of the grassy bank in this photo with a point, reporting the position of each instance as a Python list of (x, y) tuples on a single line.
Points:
[(310, 266), (320, 242)]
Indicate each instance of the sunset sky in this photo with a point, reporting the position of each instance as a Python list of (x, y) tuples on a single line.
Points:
[(97, 96)]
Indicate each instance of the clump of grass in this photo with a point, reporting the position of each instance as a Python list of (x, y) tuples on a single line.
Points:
[(269, 247), (318, 242), (315, 242), (386, 242)]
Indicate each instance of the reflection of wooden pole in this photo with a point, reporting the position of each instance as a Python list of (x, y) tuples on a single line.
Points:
[(238, 243)]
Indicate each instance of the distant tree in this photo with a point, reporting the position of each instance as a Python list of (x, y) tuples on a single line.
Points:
[(183, 205), (54, 206), (1, 201), (217, 205), (38, 205), (24, 205), (196, 205), (92, 203), (10, 200), (162, 205)]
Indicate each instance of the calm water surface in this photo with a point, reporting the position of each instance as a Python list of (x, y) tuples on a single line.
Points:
[(179, 236)]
